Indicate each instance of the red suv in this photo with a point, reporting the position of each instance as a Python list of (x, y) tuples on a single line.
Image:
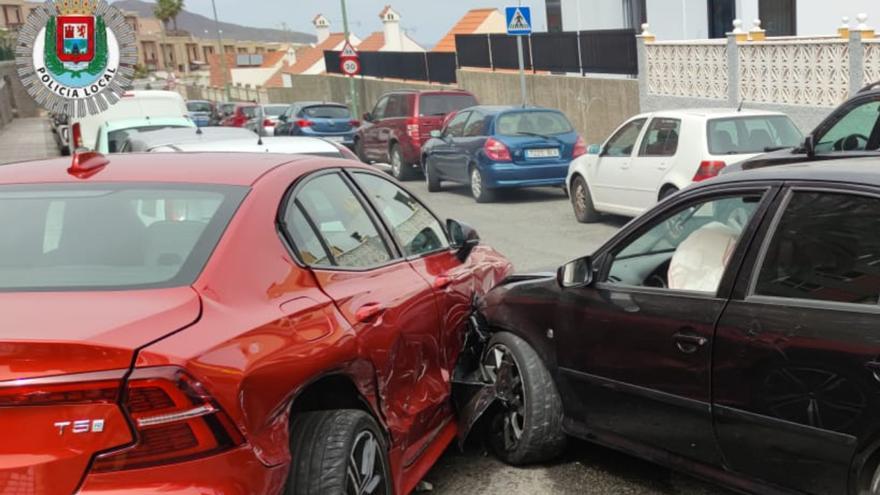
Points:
[(240, 115), (266, 324), (401, 122)]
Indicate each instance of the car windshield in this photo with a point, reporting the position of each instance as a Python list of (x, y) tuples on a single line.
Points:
[(444, 104), (274, 110), (99, 236), (752, 134), (198, 106), (531, 122), (116, 139), (326, 112), (249, 112), (227, 107)]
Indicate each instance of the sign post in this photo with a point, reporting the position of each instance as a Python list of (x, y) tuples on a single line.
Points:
[(519, 24), (351, 89)]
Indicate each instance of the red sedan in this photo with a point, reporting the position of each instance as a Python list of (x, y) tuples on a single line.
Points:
[(226, 323)]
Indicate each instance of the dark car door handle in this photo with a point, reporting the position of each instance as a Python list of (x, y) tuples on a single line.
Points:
[(368, 312), (689, 343)]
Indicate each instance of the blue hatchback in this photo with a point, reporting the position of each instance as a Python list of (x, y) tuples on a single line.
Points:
[(492, 147), (331, 121)]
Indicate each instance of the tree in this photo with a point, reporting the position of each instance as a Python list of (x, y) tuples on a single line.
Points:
[(168, 10)]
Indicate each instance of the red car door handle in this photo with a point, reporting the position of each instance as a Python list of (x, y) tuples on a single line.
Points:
[(442, 282), (368, 311)]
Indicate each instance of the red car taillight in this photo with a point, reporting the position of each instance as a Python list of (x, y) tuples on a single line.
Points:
[(496, 150), (580, 148), (303, 123), (76, 136), (708, 169), (85, 388), (412, 128), (355, 122), (174, 419), (268, 123)]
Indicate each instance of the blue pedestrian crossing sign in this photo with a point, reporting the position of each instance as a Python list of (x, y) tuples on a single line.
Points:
[(519, 20)]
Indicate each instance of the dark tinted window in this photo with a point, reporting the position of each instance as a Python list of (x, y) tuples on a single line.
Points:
[(444, 104), (826, 247), (532, 122), (198, 106), (274, 110), (416, 229), (852, 131), (755, 134), (661, 138), (249, 112), (308, 246), (624, 141), (398, 106), (476, 125), (326, 112), (379, 110), (342, 222), (109, 236), (455, 127)]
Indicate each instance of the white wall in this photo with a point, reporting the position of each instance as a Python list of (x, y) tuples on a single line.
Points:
[(823, 17), (678, 19), (578, 15), (254, 76)]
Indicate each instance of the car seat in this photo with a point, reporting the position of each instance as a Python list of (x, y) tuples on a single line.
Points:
[(723, 142), (169, 243), (699, 261)]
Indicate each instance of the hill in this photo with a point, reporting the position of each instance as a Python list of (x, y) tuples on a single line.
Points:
[(197, 24)]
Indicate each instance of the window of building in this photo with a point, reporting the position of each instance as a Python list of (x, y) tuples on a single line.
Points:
[(778, 17), (721, 15), (554, 15)]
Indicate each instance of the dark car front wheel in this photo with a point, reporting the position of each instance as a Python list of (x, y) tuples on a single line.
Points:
[(399, 168), (432, 181), (527, 428), (341, 451)]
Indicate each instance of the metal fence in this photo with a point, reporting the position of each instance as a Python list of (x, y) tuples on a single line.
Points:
[(411, 66), (608, 51)]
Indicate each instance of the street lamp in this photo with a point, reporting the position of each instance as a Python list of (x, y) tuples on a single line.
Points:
[(221, 54)]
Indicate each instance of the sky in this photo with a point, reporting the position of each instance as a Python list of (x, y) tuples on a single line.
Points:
[(425, 20)]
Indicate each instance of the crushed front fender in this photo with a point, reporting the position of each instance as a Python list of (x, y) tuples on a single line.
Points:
[(472, 393)]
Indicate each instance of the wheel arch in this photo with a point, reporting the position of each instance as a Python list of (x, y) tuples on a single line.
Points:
[(574, 175), (666, 187)]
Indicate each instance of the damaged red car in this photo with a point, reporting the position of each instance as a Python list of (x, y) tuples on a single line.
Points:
[(227, 323)]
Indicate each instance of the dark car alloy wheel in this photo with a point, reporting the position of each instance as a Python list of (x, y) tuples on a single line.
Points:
[(500, 367)]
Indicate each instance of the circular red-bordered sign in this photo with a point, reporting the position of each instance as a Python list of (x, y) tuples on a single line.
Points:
[(350, 66)]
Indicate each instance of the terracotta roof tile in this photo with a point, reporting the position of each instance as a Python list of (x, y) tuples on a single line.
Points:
[(373, 43), (216, 69), (271, 59), (277, 79), (307, 57), (468, 24)]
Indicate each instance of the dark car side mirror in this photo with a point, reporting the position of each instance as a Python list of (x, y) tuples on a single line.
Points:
[(463, 237), (575, 273), (367, 117), (282, 118), (810, 145)]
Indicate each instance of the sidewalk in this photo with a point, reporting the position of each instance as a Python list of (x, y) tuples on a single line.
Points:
[(27, 139)]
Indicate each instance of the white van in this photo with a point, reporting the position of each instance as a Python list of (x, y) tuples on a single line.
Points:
[(132, 105)]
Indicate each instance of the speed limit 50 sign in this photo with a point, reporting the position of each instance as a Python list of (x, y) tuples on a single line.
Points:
[(350, 66)]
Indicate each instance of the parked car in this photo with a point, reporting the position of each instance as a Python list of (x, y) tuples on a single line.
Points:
[(227, 323), (299, 145), (653, 155), (225, 109), (240, 115), (153, 104), (203, 112), (495, 147), (140, 142), (112, 135), (729, 332), (60, 126), (265, 119), (331, 121), (850, 131), (394, 131)]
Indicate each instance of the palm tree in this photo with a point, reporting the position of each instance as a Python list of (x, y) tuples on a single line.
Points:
[(176, 9), (168, 10)]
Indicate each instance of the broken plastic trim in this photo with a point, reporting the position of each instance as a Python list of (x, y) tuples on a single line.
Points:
[(472, 394)]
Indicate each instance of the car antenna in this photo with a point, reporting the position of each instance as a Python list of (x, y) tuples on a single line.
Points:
[(260, 126), (198, 131), (740, 107)]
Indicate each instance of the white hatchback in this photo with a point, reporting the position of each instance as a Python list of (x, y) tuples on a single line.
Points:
[(653, 155)]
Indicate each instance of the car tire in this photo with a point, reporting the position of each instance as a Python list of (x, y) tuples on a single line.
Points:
[(582, 201), (478, 188), (328, 446), (666, 192), (431, 179), (359, 150), (527, 428), (399, 168)]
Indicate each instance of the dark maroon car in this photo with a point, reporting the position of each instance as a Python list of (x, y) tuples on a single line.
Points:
[(731, 332), (401, 122)]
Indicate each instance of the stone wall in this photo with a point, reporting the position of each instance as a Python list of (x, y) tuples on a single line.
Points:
[(20, 103)]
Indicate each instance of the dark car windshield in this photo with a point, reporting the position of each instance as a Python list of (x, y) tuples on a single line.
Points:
[(753, 134), (528, 122), (327, 112), (198, 106), (444, 104), (100, 236)]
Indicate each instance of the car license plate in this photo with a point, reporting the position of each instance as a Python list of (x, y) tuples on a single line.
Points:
[(336, 139), (543, 153)]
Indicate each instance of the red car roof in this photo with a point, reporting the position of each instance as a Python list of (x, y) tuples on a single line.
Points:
[(208, 168)]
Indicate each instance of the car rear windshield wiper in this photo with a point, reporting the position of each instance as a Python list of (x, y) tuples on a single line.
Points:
[(542, 136)]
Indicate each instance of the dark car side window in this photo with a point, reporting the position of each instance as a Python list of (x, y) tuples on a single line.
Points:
[(826, 247), (455, 128), (379, 109), (661, 139), (476, 125), (853, 131), (416, 229), (329, 226), (624, 141)]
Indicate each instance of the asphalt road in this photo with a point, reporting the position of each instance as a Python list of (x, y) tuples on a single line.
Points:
[(536, 229)]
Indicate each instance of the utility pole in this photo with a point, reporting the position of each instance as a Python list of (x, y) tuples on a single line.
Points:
[(221, 53), (351, 89)]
